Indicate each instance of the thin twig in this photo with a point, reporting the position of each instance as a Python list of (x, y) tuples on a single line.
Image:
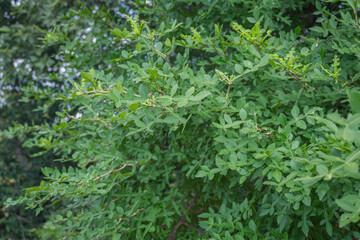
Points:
[(356, 14), (109, 172), (221, 53), (298, 79), (89, 119), (172, 235), (102, 92), (90, 92), (215, 49), (228, 90), (112, 171), (21, 227), (192, 227), (135, 213), (164, 56)]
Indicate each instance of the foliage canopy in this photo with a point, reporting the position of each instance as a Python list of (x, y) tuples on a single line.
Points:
[(204, 120)]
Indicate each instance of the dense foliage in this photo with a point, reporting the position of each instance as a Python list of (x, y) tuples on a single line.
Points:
[(203, 120)]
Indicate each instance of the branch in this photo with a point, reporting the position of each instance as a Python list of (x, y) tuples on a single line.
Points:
[(172, 235), (102, 92), (112, 171), (182, 220), (164, 56), (192, 227), (109, 172), (215, 49), (228, 90), (90, 92), (297, 78), (89, 119), (128, 219)]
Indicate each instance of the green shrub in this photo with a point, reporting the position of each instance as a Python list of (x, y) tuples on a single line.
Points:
[(211, 128)]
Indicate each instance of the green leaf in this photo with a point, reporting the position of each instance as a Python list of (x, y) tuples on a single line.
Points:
[(166, 101), (228, 236), (153, 73), (201, 174), (301, 124), (347, 218), (119, 86), (92, 73), (227, 118), (218, 125), (355, 155), (352, 198), (256, 13), (5, 29), (304, 51), (322, 169), (200, 96), (134, 106), (297, 30), (317, 29), (352, 4), (327, 122), (168, 43), (138, 47), (173, 90), (295, 144), (233, 158), (295, 111), (329, 228), (125, 54), (305, 229), (190, 91), (307, 201), (251, 19), (46, 171), (139, 123), (264, 60), (182, 102), (248, 64), (243, 114), (254, 51), (239, 69), (277, 175), (143, 90), (352, 167), (345, 205), (69, 214), (86, 76), (117, 32), (252, 225), (112, 205), (355, 101)]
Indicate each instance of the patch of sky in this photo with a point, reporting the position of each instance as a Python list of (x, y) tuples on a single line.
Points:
[(17, 62), (15, 3)]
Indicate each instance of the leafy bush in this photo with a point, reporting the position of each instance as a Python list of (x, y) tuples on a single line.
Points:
[(213, 127)]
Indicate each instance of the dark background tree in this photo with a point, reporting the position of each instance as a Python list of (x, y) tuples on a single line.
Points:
[(25, 64)]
